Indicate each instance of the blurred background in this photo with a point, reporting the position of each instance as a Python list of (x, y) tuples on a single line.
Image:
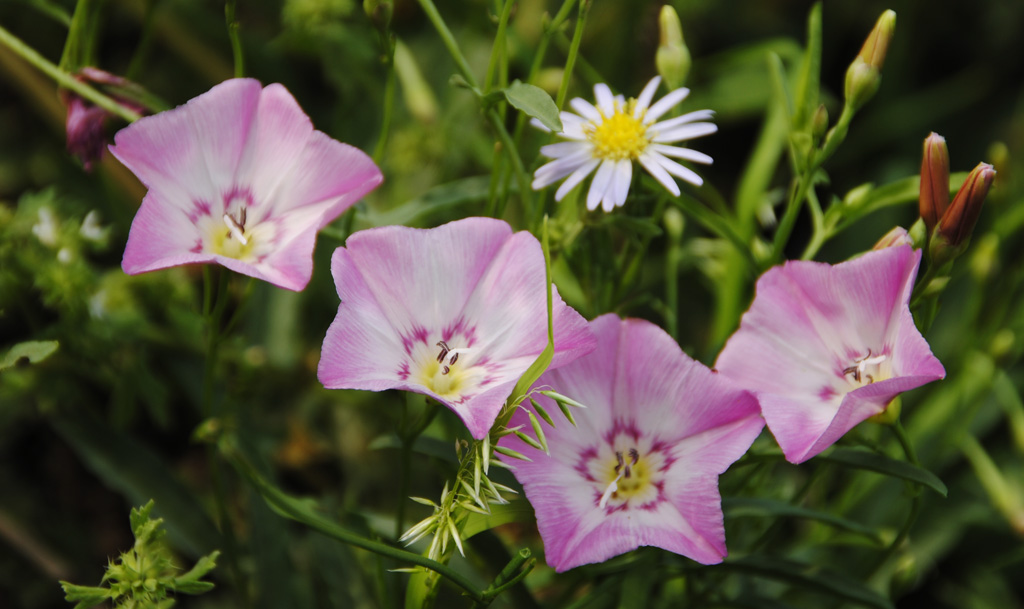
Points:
[(105, 423)]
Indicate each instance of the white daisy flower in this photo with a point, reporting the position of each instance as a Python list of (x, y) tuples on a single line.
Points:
[(612, 134)]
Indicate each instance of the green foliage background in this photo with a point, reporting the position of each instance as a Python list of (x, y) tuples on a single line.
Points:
[(105, 423)]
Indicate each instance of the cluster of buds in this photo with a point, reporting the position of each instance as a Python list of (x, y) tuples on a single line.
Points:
[(949, 224)]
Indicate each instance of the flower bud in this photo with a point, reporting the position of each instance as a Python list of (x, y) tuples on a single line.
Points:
[(934, 197), (957, 224), (672, 58), (85, 123), (897, 236), (864, 74), (875, 47), (819, 123)]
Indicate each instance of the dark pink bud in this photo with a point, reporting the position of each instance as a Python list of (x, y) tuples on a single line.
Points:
[(957, 224)]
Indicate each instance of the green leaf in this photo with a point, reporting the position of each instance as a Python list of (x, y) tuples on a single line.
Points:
[(189, 582), (862, 459), (809, 576), (34, 351), (810, 73), (535, 102), (517, 510), (133, 469), (739, 507), (87, 596)]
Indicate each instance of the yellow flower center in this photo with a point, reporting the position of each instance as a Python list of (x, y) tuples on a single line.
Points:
[(232, 237), (619, 136), (869, 369), (450, 374), (629, 479)]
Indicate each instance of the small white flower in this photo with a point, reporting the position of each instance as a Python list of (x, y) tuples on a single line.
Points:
[(612, 134)]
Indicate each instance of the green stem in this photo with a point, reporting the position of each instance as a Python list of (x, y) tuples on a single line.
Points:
[(915, 505), (717, 225), (64, 79), (498, 50), (389, 102), (574, 49), (298, 511), (523, 178), (236, 42), (449, 41)]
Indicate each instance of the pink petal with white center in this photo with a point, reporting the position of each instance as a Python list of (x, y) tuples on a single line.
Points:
[(167, 151), (470, 283), (238, 176), (686, 423), (817, 336)]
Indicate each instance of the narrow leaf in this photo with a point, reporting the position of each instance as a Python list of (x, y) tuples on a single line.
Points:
[(875, 462), (810, 576), (738, 507)]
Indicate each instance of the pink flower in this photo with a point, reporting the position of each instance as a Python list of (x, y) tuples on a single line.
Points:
[(457, 312), (642, 467), (238, 176), (825, 347)]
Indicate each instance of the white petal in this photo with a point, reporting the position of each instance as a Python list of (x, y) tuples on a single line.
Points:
[(678, 170), (682, 153), (563, 149), (539, 125), (658, 173), (646, 95), (623, 177), (600, 184), (572, 126), (576, 177), (604, 98), (689, 117), (586, 109), (666, 103), (686, 132), (556, 170)]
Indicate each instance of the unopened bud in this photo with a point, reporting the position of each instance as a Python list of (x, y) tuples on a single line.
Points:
[(674, 223), (957, 224), (864, 74), (934, 197), (875, 47), (672, 58), (896, 237), (819, 123)]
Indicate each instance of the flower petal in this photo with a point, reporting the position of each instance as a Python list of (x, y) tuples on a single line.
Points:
[(676, 169), (654, 168), (666, 103), (604, 98), (644, 100), (586, 110), (688, 131), (599, 185), (575, 178), (682, 153)]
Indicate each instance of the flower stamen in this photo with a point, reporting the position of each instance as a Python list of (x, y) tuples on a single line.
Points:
[(236, 228), (451, 354), (859, 369)]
